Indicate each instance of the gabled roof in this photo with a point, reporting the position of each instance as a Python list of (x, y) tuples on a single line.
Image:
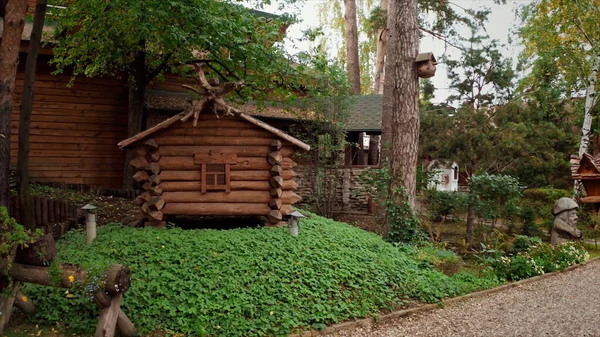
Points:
[(165, 124), (577, 162)]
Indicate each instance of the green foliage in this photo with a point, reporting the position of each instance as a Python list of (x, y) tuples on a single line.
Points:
[(248, 282), (443, 203), (541, 201), (482, 76), (539, 258), (12, 234), (528, 219), (402, 222), (494, 196)]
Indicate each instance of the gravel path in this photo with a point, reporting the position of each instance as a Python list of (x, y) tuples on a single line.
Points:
[(563, 305)]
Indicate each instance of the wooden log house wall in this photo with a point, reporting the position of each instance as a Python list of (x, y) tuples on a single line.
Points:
[(223, 166), (73, 129)]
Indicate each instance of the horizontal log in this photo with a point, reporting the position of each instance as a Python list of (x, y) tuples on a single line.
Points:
[(171, 186), (219, 132), (241, 151), (590, 200), (196, 175), (243, 163), (287, 197), (153, 167), (211, 140), (217, 209), (117, 277)]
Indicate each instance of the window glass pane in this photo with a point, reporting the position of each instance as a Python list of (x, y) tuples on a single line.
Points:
[(220, 179), (210, 179)]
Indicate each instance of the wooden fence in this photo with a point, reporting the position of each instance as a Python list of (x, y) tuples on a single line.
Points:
[(99, 191), (54, 216)]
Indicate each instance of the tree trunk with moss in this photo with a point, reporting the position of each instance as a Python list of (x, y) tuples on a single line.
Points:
[(26, 209), (14, 21)]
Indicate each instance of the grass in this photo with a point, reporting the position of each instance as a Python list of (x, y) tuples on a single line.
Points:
[(250, 282)]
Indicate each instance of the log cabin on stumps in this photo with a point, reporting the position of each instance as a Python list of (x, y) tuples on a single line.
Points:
[(221, 163)]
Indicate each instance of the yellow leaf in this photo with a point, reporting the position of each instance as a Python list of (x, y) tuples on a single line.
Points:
[(24, 298), (70, 295)]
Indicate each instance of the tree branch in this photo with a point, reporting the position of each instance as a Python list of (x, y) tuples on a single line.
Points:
[(441, 37), (158, 69)]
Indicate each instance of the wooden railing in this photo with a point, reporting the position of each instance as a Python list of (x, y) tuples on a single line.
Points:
[(54, 216)]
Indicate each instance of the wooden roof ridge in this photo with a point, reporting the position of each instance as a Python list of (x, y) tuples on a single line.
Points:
[(170, 121), (576, 163)]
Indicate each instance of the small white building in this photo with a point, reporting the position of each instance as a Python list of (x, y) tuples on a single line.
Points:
[(446, 179)]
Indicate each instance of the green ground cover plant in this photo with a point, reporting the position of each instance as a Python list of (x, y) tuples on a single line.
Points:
[(251, 282)]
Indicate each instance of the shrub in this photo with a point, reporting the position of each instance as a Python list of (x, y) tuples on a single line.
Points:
[(541, 200), (522, 243), (539, 259), (442, 203), (248, 282)]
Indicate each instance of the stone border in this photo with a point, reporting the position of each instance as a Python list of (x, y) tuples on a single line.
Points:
[(426, 307)]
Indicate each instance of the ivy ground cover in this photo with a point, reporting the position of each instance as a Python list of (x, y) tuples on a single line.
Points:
[(247, 282)]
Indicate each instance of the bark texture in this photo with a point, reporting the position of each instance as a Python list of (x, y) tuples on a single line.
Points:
[(352, 63), (14, 21), (591, 97), (27, 212), (401, 97), (382, 39), (137, 93)]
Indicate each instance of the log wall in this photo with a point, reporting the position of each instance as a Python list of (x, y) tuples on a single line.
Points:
[(179, 179), (74, 130)]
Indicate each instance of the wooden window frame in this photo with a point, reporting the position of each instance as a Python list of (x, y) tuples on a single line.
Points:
[(214, 157)]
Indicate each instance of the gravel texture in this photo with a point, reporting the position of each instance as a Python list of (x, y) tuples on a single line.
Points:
[(567, 304)]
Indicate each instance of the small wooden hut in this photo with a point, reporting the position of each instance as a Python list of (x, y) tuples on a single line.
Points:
[(220, 163), (587, 170)]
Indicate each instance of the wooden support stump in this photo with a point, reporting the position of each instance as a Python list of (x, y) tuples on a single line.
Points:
[(126, 328), (6, 304), (107, 322), (24, 304)]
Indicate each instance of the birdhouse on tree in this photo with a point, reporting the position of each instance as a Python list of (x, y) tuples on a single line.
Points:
[(425, 65), (587, 170)]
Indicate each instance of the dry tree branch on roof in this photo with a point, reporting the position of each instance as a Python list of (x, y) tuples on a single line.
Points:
[(213, 96)]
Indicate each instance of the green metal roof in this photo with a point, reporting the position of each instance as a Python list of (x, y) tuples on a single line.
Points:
[(365, 113)]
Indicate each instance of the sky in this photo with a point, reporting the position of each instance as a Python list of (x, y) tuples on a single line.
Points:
[(500, 22)]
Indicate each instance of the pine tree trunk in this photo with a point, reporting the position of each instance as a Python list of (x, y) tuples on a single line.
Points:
[(137, 93), (591, 97), (352, 63), (470, 225), (401, 98), (27, 212), (14, 21), (382, 39)]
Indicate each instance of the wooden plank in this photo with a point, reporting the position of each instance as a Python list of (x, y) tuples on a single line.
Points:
[(243, 163), (203, 182), (70, 125), (61, 139), (107, 322), (37, 202), (288, 197), (113, 101), (171, 186), (196, 175), (590, 199), (241, 150), (218, 132), (227, 178), (210, 140), (215, 157), (217, 209)]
